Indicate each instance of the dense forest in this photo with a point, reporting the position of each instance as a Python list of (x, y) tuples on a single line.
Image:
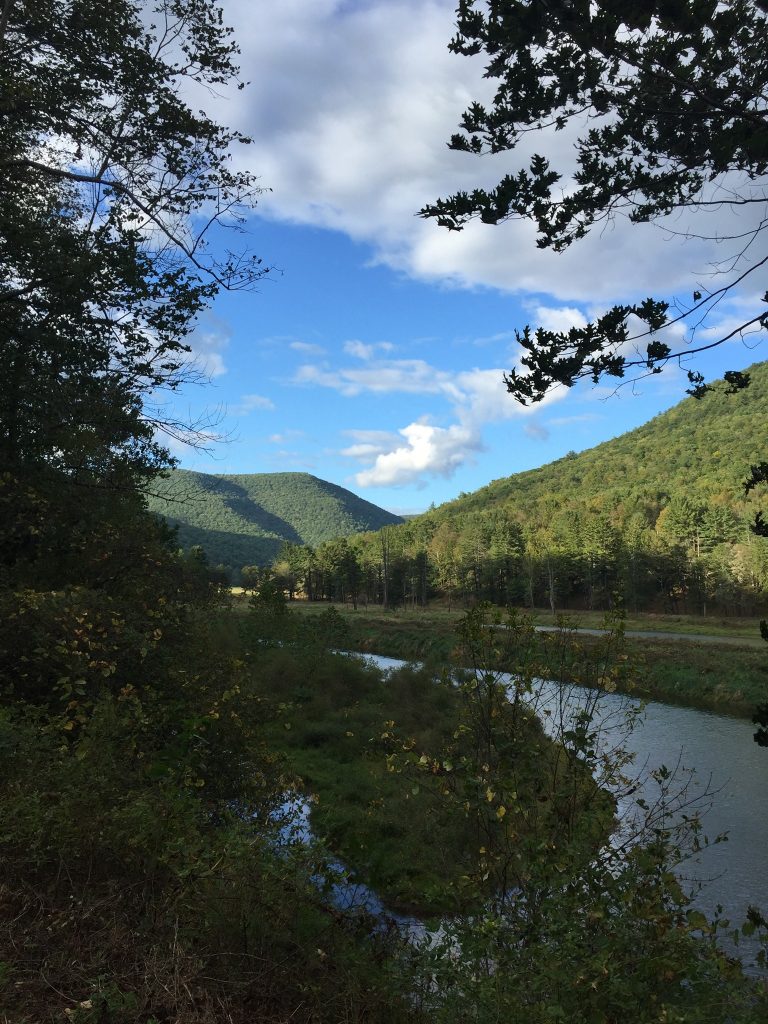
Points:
[(243, 519), (657, 517)]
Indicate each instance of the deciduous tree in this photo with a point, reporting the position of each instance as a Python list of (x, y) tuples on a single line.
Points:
[(111, 182)]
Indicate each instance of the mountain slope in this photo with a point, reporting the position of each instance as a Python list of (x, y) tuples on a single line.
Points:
[(243, 519), (701, 448)]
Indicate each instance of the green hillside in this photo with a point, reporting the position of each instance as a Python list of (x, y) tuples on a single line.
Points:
[(657, 516), (702, 448), (243, 519)]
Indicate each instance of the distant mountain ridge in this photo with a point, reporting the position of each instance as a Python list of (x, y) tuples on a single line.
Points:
[(243, 519)]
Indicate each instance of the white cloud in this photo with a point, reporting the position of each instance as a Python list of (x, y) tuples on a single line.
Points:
[(208, 342), (475, 397), (429, 450), (249, 403), (499, 338), (351, 106), (559, 319), (369, 444), (362, 351), (408, 376), (285, 436), (363, 452), (307, 348)]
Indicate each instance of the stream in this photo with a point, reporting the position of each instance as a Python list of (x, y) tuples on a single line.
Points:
[(714, 755)]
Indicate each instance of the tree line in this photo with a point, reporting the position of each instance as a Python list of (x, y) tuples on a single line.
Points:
[(691, 556)]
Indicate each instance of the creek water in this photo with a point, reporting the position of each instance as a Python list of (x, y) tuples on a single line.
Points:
[(725, 772)]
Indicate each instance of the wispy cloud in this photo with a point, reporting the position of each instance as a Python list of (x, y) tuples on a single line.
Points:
[(250, 403), (369, 444), (565, 421), (484, 341), (536, 431), (362, 351), (208, 343), (285, 436), (422, 448), (308, 348), (407, 376)]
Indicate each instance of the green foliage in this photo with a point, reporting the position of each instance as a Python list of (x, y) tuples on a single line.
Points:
[(144, 874), (732, 676), (142, 814), (146, 870), (103, 271), (573, 928), (244, 520), (665, 101), (657, 516), (335, 719)]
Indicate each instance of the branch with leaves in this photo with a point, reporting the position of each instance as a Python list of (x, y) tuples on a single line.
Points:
[(673, 97), (112, 188)]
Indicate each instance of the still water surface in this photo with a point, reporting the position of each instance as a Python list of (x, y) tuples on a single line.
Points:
[(724, 759)]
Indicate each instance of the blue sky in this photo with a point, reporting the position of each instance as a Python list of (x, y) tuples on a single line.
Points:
[(372, 355)]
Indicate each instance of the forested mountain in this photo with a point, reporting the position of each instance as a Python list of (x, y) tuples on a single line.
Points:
[(700, 448), (657, 516), (244, 519)]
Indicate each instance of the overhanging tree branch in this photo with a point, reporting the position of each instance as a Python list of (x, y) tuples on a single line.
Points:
[(677, 96)]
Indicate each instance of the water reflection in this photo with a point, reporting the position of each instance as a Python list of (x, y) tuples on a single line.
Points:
[(713, 754)]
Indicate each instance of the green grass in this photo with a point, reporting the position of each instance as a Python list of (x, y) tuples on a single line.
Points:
[(695, 625), (721, 678), (728, 678), (331, 714), (352, 739)]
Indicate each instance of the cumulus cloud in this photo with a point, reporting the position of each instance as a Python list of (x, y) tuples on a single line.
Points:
[(560, 319), (475, 397), (428, 450), (351, 106)]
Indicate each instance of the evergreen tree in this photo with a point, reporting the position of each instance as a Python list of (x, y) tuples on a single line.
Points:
[(676, 120)]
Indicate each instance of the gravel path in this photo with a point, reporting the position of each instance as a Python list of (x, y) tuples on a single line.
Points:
[(654, 634)]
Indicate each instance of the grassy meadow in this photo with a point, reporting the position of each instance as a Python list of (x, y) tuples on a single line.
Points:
[(730, 677)]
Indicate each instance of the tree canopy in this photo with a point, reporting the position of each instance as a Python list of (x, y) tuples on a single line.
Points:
[(110, 184), (667, 104)]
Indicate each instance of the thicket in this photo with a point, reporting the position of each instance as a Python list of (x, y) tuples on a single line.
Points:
[(142, 873)]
